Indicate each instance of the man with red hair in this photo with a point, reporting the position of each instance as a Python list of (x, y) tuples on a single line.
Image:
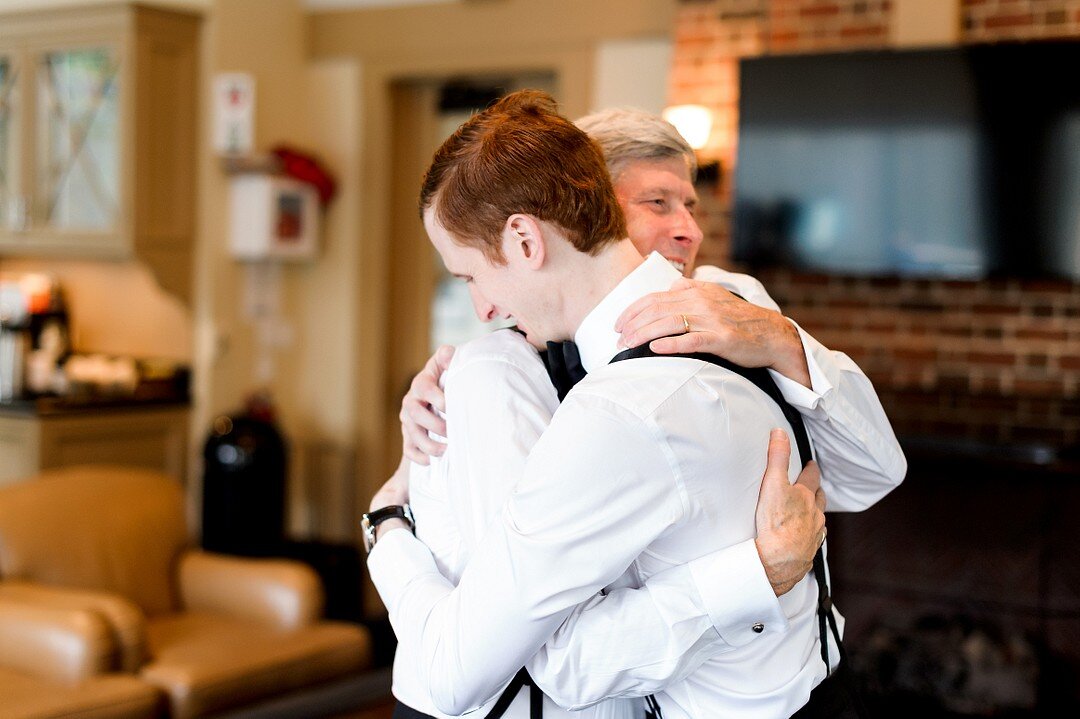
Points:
[(647, 465)]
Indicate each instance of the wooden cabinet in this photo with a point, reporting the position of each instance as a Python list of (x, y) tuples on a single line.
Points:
[(153, 437), (98, 136)]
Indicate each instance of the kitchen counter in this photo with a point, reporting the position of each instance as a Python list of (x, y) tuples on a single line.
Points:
[(50, 432), (61, 406)]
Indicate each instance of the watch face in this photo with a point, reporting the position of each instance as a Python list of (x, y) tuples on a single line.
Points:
[(369, 532)]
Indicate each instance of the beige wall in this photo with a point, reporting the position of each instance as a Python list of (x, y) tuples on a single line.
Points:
[(494, 30), (632, 73), (117, 308), (263, 38), (307, 360), (40, 4)]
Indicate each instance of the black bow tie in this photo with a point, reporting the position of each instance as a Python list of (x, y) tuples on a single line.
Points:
[(563, 365)]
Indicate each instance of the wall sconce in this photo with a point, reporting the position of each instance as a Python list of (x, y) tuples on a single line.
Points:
[(694, 123)]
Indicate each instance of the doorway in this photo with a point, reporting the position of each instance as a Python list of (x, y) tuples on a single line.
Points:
[(429, 307)]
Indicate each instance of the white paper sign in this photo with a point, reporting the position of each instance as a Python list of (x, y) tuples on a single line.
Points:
[(234, 113)]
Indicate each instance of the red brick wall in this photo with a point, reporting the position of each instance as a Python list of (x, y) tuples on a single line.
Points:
[(991, 20), (997, 360), (988, 360)]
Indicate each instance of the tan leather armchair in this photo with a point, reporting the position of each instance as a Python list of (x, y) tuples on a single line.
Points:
[(212, 632), (55, 662)]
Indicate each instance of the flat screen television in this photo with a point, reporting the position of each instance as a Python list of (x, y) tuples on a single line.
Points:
[(960, 163)]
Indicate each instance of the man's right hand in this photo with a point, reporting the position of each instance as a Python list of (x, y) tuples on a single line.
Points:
[(418, 410), (790, 518), (704, 317)]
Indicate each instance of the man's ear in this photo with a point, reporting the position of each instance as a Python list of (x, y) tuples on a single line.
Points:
[(523, 240)]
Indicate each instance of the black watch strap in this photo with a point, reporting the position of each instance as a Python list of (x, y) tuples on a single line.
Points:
[(372, 520), (397, 511)]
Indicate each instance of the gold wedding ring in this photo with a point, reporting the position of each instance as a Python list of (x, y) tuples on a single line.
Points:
[(685, 324)]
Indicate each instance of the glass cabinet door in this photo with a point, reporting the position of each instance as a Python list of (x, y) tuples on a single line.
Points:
[(11, 207), (77, 167)]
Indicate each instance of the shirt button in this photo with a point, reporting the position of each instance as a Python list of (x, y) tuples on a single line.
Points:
[(758, 627)]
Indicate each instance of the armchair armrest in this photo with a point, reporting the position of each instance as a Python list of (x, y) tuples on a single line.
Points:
[(280, 592), (125, 621), (66, 645)]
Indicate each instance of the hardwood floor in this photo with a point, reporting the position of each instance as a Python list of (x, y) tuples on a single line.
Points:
[(381, 710)]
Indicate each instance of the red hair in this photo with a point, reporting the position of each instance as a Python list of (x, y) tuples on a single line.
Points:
[(521, 156)]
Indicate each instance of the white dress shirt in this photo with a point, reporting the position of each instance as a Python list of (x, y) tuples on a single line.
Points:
[(675, 629), (855, 448)]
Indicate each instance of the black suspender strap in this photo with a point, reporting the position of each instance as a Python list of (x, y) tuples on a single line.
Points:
[(536, 697), (536, 700), (760, 378)]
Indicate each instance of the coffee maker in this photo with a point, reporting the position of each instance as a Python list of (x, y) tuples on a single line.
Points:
[(33, 335), (14, 349)]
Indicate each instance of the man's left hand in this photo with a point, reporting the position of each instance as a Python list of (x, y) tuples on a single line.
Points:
[(720, 323), (418, 416), (789, 518)]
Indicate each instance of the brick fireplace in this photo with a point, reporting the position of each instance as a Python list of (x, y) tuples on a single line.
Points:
[(980, 378)]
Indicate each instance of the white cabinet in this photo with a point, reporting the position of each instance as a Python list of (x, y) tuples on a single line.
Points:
[(97, 135)]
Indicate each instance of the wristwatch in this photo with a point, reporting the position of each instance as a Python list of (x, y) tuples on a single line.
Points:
[(371, 520)]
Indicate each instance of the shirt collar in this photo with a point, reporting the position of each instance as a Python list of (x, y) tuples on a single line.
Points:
[(596, 338)]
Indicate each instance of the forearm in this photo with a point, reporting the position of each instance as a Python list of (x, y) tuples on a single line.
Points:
[(638, 641), (467, 642)]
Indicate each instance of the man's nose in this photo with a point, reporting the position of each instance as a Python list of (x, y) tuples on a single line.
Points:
[(686, 228), (485, 311)]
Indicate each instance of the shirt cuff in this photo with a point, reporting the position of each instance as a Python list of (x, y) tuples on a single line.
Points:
[(395, 561), (803, 398), (737, 595)]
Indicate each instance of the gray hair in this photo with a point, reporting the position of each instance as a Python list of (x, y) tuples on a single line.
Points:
[(627, 134)]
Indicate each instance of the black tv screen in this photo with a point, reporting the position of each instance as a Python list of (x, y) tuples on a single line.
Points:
[(957, 163)]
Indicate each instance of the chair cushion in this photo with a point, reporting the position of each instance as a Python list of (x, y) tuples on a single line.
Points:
[(106, 696), (206, 662), (111, 529)]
